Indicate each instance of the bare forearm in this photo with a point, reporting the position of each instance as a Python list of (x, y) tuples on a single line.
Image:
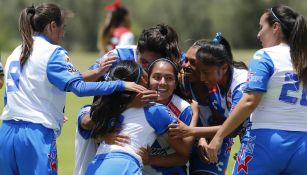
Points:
[(242, 111), (207, 132)]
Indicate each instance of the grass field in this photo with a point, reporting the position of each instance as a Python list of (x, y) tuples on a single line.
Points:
[(66, 142)]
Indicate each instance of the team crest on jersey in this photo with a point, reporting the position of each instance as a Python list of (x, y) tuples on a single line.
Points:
[(53, 158)]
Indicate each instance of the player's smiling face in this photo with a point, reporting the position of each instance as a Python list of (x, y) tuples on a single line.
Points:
[(163, 80), (189, 66)]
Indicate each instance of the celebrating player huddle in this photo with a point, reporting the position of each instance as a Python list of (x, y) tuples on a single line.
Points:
[(157, 110)]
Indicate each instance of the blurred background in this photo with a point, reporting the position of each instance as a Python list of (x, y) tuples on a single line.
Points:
[(194, 19)]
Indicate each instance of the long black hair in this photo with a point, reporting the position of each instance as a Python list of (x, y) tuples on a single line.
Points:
[(218, 53), (106, 110), (162, 39), (34, 20)]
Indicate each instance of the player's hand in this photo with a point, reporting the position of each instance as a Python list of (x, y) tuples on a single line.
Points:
[(65, 119), (132, 86), (149, 96), (213, 148), (144, 153), (179, 130), (107, 63), (202, 150), (114, 139)]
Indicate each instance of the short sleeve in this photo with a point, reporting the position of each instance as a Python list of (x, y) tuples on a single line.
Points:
[(186, 115), (159, 118), (261, 68), (82, 113), (60, 71), (237, 94)]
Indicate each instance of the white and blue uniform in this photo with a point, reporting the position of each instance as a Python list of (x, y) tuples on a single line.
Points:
[(276, 141), (223, 104), (85, 146), (142, 125), (182, 110), (34, 106)]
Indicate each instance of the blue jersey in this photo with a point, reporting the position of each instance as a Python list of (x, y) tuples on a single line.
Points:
[(225, 103)]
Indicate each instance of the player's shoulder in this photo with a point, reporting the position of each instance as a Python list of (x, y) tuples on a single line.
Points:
[(179, 102)]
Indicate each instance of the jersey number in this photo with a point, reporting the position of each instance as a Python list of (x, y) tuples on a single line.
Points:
[(292, 84), (12, 82)]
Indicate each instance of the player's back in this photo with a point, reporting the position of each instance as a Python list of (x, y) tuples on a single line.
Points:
[(284, 105)]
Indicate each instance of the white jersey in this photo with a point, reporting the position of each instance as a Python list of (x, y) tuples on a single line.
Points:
[(85, 147), (180, 109), (284, 102), (225, 103), (29, 94), (142, 125)]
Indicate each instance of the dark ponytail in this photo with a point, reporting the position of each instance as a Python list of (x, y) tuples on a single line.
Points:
[(161, 39), (34, 20), (217, 53), (106, 110), (298, 48), (294, 29), (26, 32)]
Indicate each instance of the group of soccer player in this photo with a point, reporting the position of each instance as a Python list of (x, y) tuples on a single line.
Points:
[(158, 110)]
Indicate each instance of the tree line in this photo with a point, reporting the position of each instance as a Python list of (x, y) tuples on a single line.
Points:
[(192, 19)]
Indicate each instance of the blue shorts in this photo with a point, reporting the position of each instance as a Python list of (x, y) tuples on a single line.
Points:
[(219, 168), (27, 148), (269, 151), (118, 163)]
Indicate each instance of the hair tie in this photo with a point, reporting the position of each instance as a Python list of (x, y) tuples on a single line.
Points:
[(115, 5), (163, 59), (31, 10), (218, 37), (278, 20)]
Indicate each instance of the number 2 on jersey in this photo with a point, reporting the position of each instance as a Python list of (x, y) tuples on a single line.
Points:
[(292, 84)]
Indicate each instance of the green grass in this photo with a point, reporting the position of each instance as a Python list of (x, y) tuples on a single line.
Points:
[(66, 142)]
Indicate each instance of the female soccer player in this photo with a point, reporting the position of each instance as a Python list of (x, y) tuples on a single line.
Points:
[(275, 95), (223, 79), (117, 110), (38, 74), (163, 75)]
